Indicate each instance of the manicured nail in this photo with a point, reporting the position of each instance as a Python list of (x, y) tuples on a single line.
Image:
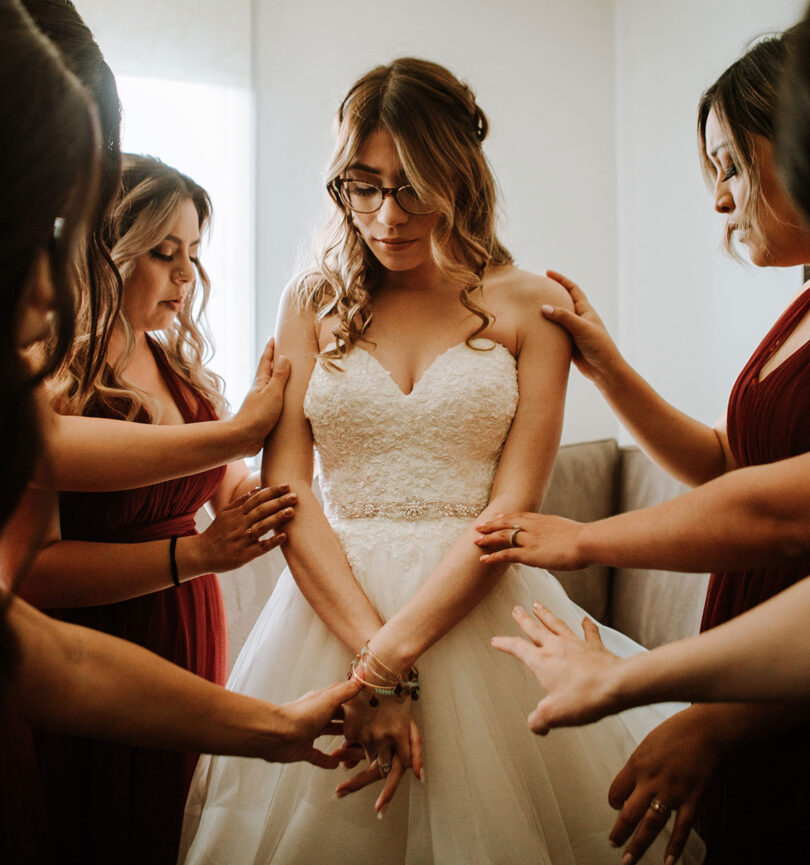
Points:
[(422, 776), (517, 611), (484, 558), (338, 794), (285, 488), (537, 605), (546, 308), (381, 812), (670, 860), (628, 859), (288, 512)]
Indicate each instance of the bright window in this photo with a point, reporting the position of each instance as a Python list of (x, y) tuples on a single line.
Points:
[(207, 132)]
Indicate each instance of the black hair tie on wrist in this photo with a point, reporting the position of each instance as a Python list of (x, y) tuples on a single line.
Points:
[(173, 561)]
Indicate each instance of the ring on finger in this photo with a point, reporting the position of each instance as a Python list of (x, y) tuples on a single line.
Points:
[(385, 769), (513, 536), (660, 808)]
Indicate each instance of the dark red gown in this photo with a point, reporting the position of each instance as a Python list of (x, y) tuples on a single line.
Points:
[(108, 803), (757, 809)]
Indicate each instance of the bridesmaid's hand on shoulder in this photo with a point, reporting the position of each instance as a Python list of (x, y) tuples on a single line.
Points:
[(595, 354)]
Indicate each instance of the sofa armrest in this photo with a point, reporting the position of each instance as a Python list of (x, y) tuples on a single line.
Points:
[(584, 487), (651, 606)]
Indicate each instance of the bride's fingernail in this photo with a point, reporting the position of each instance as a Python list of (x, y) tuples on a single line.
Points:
[(381, 812), (421, 776), (628, 859), (670, 860), (545, 308), (517, 611), (537, 605), (484, 558)]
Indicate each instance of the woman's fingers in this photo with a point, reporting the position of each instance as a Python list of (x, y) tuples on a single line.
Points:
[(577, 294), (357, 782), (394, 776), (648, 817), (417, 754), (684, 820)]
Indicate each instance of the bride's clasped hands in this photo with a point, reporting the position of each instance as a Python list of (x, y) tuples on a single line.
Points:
[(382, 730)]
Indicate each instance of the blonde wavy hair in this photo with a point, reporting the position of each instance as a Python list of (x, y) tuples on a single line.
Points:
[(146, 210), (438, 129)]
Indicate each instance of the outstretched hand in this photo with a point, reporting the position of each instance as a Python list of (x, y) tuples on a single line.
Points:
[(319, 713), (595, 353), (542, 541), (574, 672), (262, 405)]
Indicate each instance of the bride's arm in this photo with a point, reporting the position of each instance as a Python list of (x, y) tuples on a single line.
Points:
[(461, 580), (313, 552)]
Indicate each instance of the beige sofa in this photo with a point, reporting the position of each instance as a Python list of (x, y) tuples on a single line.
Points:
[(590, 481), (593, 480)]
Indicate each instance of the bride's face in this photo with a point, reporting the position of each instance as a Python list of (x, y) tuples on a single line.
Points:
[(399, 240)]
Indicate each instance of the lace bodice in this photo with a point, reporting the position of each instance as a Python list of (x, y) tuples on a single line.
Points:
[(428, 455)]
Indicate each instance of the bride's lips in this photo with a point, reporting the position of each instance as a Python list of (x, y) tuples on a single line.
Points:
[(394, 242)]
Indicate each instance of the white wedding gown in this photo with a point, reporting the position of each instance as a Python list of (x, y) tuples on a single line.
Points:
[(401, 476)]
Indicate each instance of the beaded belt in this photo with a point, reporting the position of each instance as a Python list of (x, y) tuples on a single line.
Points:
[(413, 509)]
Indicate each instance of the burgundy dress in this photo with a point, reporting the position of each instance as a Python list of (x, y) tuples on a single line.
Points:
[(758, 807), (109, 803)]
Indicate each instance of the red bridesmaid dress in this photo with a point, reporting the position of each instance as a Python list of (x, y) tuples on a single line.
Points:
[(111, 803), (757, 809)]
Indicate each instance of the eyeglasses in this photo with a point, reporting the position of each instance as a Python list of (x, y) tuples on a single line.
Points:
[(364, 197)]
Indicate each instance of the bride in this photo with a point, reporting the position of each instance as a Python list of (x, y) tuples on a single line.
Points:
[(410, 340)]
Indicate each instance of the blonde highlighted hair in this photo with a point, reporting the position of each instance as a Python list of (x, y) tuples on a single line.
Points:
[(147, 208), (438, 129)]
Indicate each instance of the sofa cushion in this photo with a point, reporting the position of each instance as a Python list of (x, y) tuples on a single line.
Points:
[(583, 487), (653, 607)]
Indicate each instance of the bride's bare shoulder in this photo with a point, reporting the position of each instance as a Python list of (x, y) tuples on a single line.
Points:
[(523, 291)]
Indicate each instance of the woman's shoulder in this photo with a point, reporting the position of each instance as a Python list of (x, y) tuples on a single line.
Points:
[(523, 291)]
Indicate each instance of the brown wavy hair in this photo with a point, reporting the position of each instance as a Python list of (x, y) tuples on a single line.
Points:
[(745, 99), (100, 282), (48, 176), (151, 194), (438, 129)]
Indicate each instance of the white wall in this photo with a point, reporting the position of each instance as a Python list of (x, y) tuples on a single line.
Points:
[(543, 73), (688, 315)]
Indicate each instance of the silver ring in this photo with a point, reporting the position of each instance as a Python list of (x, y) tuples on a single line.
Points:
[(384, 768), (513, 536), (660, 808)]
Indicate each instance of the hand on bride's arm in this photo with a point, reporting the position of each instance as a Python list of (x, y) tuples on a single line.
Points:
[(390, 739), (595, 354), (576, 673), (320, 713), (542, 541)]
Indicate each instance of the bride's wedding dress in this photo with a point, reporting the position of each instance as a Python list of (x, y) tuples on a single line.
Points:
[(401, 476)]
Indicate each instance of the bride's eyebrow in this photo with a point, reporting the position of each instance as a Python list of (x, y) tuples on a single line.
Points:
[(368, 169)]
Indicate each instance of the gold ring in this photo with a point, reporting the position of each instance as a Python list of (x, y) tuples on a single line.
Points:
[(513, 536), (660, 808)]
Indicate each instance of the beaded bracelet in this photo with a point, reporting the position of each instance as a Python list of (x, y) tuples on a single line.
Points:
[(392, 685)]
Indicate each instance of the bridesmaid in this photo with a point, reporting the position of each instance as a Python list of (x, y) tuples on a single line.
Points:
[(130, 563), (743, 767)]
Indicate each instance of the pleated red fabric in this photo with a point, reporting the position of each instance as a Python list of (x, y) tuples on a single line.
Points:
[(111, 803), (758, 808)]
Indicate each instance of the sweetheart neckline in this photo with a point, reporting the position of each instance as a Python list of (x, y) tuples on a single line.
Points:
[(430, 366)]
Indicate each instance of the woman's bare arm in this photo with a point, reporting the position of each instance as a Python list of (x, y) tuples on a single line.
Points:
[(82, 682), (97, 454)]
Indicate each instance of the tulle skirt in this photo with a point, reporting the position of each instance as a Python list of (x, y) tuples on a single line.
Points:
[(494, 794)]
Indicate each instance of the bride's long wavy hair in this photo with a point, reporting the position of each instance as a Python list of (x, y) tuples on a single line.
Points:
[(151, 194), (438, 129)]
